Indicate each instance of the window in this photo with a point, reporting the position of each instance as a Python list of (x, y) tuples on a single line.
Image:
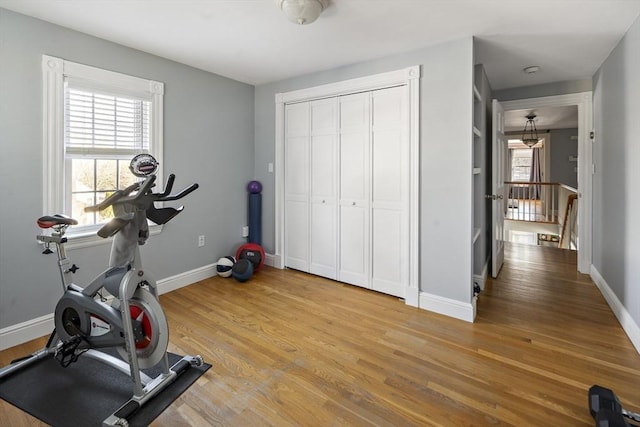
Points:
[(95, 122), (521, 164)]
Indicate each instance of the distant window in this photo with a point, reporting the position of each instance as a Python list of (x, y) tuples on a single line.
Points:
[(521, 164), (95, 122)]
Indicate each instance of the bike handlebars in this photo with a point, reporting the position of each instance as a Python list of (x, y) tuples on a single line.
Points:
[(144, 198), (180, 195), (114, 198)]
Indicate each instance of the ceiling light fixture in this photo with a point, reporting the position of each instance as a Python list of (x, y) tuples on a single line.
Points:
[(302, 12), (530, 138)]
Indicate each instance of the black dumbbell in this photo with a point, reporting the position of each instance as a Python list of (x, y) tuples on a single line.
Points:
[(608, 418), (605, 407)]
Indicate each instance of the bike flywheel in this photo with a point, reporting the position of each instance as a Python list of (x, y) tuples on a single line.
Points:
[(152, 345)]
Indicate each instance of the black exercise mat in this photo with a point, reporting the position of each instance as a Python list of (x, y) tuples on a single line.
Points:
[(87, 392)]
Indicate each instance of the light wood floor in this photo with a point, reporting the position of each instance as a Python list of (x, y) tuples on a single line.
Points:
[(289, 349)]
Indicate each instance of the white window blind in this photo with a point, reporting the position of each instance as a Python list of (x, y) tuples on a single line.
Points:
[(102, 132), (98, 123)]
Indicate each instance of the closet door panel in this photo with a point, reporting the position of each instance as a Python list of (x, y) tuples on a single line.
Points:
[(353, 166), (296, 182), (390, 192), (323, 193), (387, 265), (323, 238), (297, 170), (296, 235), (354, 242), (387, 163), (323, 166), (297, 119), (354, 233)]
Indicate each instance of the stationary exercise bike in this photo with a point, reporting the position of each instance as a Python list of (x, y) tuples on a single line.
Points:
[(133, 322)]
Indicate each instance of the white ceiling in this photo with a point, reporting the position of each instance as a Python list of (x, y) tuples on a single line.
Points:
[(251, 40), (546, 118)]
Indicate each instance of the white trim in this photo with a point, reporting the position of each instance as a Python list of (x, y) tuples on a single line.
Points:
[(273, 260), (278, 256), (187, 278), (52, 134), (42, 326), (360, 84), (97, 77), (448, 307), (409, 76), (412, 295), (88, 239), (629, 326), (584, 102), (26, 331)]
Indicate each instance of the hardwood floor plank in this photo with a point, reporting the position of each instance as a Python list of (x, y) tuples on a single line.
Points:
[(291, 349)]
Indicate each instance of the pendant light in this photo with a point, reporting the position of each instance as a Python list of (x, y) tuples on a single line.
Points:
[(530, 133), (302, 12)]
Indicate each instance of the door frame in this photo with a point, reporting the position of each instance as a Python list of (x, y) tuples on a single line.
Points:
[(584, 102), (410, 77)]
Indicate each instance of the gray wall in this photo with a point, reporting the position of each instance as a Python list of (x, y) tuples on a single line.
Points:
[(208, 138), (445, 158), (562, 147), (616, 233)]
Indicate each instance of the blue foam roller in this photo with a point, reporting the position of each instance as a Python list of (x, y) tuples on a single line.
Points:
[(255, 218)]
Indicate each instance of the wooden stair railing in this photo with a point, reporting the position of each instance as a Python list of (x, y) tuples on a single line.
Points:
[(532, 201), (570, 199)]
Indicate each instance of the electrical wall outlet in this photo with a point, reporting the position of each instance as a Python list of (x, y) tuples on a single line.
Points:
[(200, 241), (245, 231)]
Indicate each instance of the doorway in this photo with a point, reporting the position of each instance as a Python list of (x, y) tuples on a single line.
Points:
[(583, 103)]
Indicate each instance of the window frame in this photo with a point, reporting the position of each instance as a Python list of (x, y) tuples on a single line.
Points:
[(54, 72)]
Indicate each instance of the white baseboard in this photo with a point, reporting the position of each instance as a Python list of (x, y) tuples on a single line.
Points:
[(412, 297), (448, 307), (273, 260), (481, 278), (630, 327), (187, 278), (26, 331), (41, 326)]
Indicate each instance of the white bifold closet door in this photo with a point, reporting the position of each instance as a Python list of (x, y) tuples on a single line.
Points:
[(296, 177), (323, 189), (389, 192), (355, 171), (347, 189), (311, 186)]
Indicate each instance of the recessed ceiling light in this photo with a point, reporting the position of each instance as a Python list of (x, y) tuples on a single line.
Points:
[(531, 70)]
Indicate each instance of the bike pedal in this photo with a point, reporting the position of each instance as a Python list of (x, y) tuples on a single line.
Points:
[(66, 354)]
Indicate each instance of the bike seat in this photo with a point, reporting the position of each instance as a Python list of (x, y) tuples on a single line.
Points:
[(49, 221)]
